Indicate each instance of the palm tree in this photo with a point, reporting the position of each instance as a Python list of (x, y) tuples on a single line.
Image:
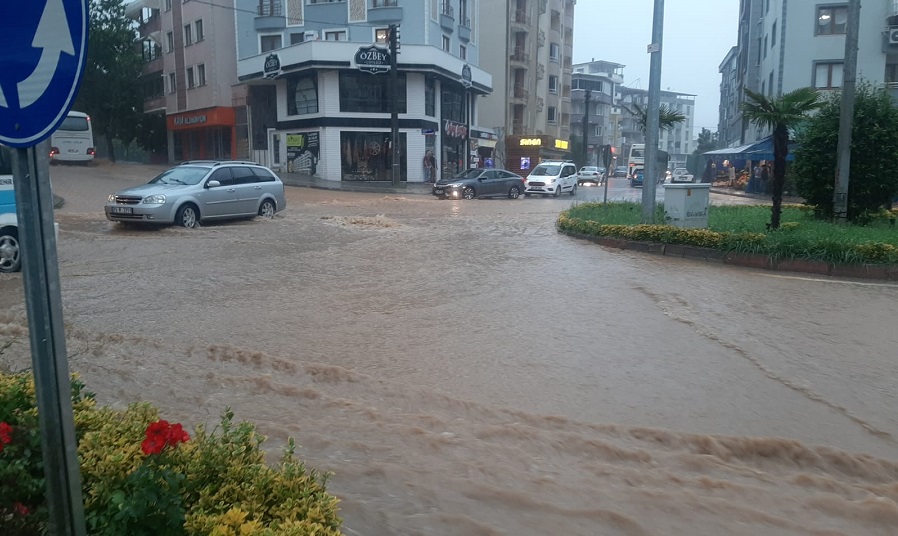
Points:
[(668, 118), (780, 115)]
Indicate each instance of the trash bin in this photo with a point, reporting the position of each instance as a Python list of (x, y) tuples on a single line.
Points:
[(686, 205)]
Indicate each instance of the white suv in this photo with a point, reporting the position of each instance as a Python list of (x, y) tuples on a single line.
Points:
[(552, 177)]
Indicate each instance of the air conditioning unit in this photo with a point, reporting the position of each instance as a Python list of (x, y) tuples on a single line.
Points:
[(310, 35), (893, 36)]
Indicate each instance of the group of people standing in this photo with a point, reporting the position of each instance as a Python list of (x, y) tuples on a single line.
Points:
[(760, 177)]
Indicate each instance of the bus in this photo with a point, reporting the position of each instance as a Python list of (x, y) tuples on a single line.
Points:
[(73, 141), (636, 161)]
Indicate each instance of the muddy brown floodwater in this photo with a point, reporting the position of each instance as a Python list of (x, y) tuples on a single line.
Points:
[(462, 368)]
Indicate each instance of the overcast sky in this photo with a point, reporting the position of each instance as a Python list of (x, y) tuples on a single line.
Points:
[(697, 35)]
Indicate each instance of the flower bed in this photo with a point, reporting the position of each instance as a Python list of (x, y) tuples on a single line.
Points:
[(742, 229), (145, 476)]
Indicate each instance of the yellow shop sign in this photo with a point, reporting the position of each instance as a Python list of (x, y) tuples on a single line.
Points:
[(531, 141)]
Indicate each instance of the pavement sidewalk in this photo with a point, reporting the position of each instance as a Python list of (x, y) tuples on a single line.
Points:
[(790, 199), (385, 187)]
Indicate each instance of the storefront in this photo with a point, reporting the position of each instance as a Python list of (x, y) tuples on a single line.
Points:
[(523, 153), (206, 134)]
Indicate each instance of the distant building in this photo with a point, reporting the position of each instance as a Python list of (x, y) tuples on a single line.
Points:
[(601, 79), (788, 44), (678, 141)]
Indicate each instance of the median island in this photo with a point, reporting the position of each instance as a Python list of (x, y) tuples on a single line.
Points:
[(740, 235)]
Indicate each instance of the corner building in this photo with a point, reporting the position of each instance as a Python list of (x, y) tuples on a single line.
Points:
[(315, 107)]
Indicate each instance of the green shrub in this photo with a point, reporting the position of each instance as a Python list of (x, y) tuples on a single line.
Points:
[(215, 482)]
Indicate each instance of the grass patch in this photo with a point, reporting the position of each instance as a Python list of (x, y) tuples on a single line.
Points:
[(743, 229)]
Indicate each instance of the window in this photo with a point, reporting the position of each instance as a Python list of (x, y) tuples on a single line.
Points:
[(170, 41), (429, 97), (168, 5), (201, 74), (554, 52), (361, 92), (188, 35), (297, 38), (552, 115), (190, 81), (767, 8), (171, 83), (770, 84), (302, 95), (324, 1), (828, 75), (765, 47), (335, 35), (553, 84), (199, 31), (462, 52), (269, 42), (446, 43), (382, 35), (832, 20), (597, 131), (773, 36)]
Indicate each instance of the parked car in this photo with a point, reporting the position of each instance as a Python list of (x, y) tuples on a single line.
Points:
[(200, 191), (480, 182), (552, 178), (621, 172), (589, 174), (681, 175)]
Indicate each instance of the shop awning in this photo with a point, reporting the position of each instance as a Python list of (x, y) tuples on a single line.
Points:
[(759, 150)]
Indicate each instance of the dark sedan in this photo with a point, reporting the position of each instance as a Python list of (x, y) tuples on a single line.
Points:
[(480, 182)]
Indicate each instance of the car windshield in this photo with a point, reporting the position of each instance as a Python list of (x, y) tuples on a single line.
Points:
[(469, 174), (186, 175), (546, 170), (588, 168)]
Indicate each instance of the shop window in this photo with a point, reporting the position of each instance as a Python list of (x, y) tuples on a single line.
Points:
[(828, 75), (367, 156), (269, 42), (302, 95), (362, 92)]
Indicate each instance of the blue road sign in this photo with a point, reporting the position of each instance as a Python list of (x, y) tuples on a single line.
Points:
[(43, 46)]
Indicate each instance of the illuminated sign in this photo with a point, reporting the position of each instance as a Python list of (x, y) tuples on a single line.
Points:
[(562, 144), (531, 141)]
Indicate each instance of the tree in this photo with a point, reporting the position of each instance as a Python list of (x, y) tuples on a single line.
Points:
[(874, 140), (707, 141), (668, 118), (110, 89), (577, 151), (779, 114)]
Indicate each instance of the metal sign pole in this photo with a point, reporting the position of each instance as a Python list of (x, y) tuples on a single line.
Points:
[(40, 271)]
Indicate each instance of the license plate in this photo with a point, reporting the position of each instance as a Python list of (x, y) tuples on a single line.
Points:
[(438, 191), (122, 210), (73, 151)]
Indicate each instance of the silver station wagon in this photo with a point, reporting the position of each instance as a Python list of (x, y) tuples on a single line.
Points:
[(198, 191)]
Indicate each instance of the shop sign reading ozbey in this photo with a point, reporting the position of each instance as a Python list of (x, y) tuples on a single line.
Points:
[(373, 59), (466, 75), (272, 66)]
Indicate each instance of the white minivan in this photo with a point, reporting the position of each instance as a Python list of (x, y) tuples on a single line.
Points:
[(552, 177)]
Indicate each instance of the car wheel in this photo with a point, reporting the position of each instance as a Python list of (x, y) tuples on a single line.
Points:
[(574, 190), (267, 209), (10, 252), (514, 193), (187, 216), (468, 193), (557, 191)]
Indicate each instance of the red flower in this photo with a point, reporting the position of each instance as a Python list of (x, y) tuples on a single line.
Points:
[(161, 434), (20, 509), (5, 435)]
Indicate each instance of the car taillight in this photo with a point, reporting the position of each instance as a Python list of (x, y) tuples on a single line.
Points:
[(53, 151), (91, 151)]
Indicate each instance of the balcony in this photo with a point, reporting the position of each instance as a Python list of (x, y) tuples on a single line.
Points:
[(154, 104), (150, 26), (517, 127), (384, 11), (519, 94), (464, 28), (520, 56), (152, 66), (270, 16), (520, 21), (892, 88), (447, 17)]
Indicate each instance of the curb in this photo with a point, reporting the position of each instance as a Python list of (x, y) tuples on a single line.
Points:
[(343, 187), (883, 272)]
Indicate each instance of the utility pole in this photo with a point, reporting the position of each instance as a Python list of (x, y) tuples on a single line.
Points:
[(652, 123), (586, 128), (846, 115), (394, 104)]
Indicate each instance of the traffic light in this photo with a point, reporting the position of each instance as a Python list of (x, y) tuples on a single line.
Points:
[(394, 38)]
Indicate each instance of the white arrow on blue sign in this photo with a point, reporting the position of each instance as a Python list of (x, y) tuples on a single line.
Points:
[(43, 46)]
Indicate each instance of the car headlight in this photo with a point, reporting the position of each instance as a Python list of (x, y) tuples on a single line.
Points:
[(551, 181), (457, 185), (111, 198), (153, 200)]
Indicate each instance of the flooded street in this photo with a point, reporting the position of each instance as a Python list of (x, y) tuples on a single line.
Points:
[(462, 368)]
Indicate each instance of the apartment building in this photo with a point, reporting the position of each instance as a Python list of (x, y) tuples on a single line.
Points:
[(316, 81), (528, 47), (788, 44), (600, 79), (678, 141), (189, 71)]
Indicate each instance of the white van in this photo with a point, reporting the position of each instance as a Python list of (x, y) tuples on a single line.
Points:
[(10, 252), (73, 141), (552, 177)]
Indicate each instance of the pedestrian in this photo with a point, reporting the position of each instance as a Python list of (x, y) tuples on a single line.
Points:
[(429, 166), (731, 175), (765, 177), (754, 184)]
